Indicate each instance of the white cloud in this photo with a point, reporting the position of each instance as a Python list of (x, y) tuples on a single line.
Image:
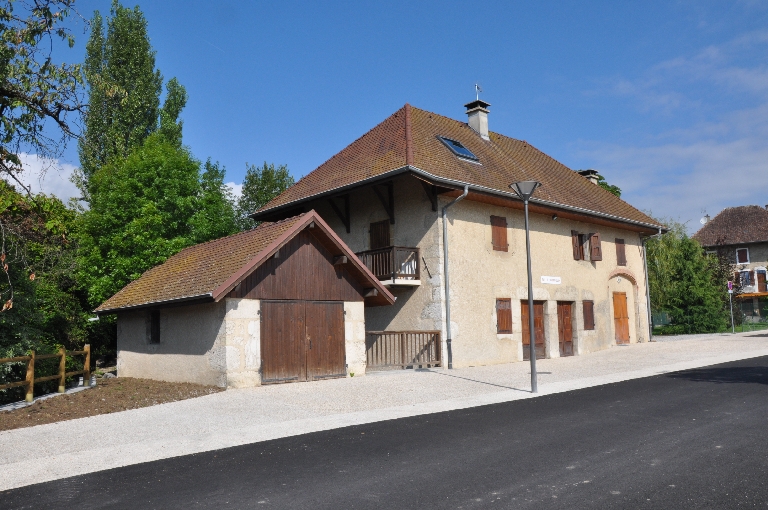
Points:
[(237, 189), (719, 158), (49, 176)]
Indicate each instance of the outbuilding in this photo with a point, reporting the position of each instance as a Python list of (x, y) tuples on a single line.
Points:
[(282, 302)]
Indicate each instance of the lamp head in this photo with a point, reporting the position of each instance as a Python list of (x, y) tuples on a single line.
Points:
[(525, 189)]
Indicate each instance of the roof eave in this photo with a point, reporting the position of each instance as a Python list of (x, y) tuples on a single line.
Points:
[(203, 298), (452, 184)]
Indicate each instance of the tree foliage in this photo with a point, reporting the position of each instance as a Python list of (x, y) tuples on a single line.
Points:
[(260, 185), (124, 91), (686, 283), (610, 187), (35, 91)]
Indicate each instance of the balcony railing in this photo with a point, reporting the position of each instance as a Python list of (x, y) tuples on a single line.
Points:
[(386, 350), (393, 263)]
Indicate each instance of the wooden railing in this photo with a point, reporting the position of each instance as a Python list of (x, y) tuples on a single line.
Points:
[(392, 262), (403, 349), (62, 374)]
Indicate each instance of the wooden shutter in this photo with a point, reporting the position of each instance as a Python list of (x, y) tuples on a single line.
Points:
[(503, 316), (742, 256), (380, 235), (621, 254), (589, 314), (595, 250), (578, 248), (499, 233), (736, 279)]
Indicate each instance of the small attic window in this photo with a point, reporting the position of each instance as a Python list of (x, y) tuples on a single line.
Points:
[(457, 148)]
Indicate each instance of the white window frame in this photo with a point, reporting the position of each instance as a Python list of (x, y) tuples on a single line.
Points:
[(737, 255)]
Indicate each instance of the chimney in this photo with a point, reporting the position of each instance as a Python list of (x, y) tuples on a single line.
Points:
[(590, 174), (477, 111)]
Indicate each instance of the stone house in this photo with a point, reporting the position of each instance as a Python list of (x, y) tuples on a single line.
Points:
[(282, 302), (741, 235), (425, 202)]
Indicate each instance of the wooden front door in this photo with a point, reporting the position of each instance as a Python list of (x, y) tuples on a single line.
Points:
[(301, 341), (621, 317), (761, 285), (325, 340), (538, 327), (379, 235), (565, 327)]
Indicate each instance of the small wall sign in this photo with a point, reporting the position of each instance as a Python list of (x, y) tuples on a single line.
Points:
[(551, 280)]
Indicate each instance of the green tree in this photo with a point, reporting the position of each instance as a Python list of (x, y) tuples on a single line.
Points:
[(261, 184), (35, 91), (686, 283), (216, 215), (124, 91), (139, 215), (610, 187)]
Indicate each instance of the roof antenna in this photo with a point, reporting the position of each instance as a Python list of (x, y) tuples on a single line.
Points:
[(477, 91)]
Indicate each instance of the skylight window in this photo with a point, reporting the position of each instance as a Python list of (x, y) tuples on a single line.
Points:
[(457, 148)]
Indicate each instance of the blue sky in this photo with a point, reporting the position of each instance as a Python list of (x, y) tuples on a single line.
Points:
[(669, 99)]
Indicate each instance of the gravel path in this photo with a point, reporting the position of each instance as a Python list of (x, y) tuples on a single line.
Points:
[(236, 417)]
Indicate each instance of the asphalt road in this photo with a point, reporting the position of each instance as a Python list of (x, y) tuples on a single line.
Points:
[(693, 439)]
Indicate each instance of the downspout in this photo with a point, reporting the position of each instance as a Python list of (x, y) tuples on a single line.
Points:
[(447, 280), (648, 288)]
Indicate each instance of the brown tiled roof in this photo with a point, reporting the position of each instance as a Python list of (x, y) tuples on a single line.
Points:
[(211, 269), (735, 225), (408, 138)]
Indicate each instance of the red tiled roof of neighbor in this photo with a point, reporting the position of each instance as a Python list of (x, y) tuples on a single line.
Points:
[(735, 225), (409, 138), (209, 270)]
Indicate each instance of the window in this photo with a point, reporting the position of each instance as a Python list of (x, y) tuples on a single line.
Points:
[(745, 278), (503, 316), (742, 256), (499, 233), (154, 327), (621, 254), (589, 314), (580, 240), (457, 148)]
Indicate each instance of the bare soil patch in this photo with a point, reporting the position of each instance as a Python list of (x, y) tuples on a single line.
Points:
[(109, 396)]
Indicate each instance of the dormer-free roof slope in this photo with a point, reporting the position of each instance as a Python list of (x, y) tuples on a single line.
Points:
[(408, 141), (208, 271), (735, 225)]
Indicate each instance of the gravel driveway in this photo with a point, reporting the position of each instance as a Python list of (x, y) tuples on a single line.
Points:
[(236, 417)]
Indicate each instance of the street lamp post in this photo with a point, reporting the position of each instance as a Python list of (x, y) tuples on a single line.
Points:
[(524, 190)]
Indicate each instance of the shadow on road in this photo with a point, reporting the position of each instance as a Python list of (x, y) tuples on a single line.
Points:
[(481, 382), (757, 375)]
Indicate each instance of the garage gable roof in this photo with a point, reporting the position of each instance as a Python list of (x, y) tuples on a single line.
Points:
[(413, 140), (208, 271)]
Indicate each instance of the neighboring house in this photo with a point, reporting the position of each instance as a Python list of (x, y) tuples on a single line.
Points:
[(741, 234), (282, 302), (393, 196)]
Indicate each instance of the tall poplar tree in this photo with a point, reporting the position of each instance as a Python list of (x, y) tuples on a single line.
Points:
[(124, 89)]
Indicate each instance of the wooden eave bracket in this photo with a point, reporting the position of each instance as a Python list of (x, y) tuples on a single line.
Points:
[(339, 260), (343, 216), (431, 191), (389, 201), (371, 293)]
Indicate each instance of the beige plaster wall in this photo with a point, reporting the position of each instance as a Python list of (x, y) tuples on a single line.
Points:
[(191, 348), (243, 342), (354, 337), (480, 275)]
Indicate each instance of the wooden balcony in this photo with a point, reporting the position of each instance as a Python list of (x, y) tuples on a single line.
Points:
[(394, 265)]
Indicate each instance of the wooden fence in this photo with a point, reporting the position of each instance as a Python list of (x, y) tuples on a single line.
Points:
[(402, 349), (62, 374)]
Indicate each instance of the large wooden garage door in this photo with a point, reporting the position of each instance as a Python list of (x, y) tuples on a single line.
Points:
[(302, 340), (538, 327)]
